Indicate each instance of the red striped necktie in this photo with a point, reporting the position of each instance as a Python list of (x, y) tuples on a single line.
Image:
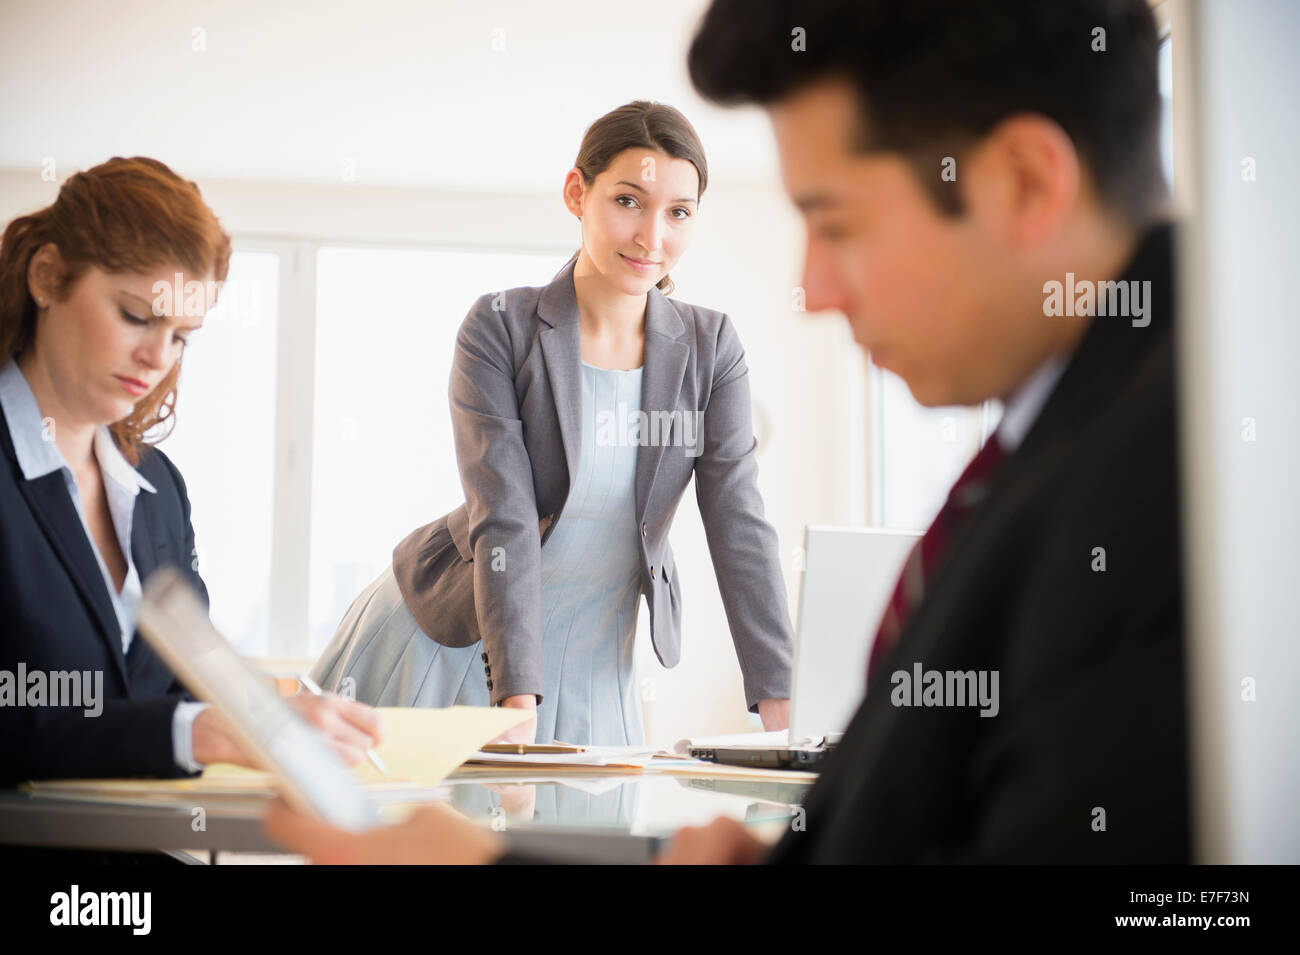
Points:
[(921, 563)]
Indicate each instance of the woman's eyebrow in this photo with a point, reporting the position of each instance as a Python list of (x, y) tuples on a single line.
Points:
[(624, 182), (147, 303), (144, 301)]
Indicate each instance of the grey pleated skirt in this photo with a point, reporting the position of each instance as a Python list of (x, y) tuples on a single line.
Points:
[(390, 661)]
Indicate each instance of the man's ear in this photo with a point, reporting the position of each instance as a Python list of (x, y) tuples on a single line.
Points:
[(1025, 178), (45, 271)]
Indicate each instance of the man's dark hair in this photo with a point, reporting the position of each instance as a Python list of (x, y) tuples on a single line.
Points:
[(933, 76)]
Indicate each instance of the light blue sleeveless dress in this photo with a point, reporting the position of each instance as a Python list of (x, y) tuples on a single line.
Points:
[(590, 592)]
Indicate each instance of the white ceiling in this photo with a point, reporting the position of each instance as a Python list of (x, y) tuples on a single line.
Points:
[(413, 93)]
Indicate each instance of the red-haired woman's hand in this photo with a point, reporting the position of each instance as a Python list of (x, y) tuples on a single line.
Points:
[(348, 726)]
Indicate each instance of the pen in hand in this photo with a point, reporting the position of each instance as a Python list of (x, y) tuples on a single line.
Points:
[(310, 686)]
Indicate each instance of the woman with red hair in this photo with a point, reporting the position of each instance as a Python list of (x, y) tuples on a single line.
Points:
[(91, 341)]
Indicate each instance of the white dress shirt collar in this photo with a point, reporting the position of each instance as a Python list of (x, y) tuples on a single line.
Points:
[(1022, 408)]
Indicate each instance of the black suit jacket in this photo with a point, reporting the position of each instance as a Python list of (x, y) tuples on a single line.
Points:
[(1086, 759), (58, 615)]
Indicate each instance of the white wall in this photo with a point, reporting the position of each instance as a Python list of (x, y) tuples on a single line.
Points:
[(1236, 80)]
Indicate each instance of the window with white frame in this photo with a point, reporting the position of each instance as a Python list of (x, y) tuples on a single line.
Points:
[(223, 443), (369, 443), (383, 461)]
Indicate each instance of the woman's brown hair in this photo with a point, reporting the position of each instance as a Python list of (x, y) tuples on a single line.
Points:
[(641, 125), (124, 215)]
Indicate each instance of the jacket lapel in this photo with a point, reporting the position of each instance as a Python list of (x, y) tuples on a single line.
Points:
[(661, 380), (661, 383), (148, 550), (562, 350), (145, 550)]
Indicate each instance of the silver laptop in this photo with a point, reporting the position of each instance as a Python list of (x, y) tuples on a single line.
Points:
[(848, 576)]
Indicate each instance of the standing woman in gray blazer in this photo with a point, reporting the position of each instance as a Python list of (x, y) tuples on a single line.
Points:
[(580, 410)]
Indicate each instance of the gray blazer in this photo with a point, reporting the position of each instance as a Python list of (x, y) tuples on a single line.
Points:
[(515, 405)]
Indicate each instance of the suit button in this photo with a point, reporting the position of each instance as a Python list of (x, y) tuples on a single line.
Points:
[(652, 572), (643, 528), (485, 658), (487, 671), (489, 684)]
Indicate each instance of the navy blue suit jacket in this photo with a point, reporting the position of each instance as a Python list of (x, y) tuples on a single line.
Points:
[(57, 615)]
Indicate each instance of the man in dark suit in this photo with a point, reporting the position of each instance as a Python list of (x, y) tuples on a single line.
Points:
[(984, 201)]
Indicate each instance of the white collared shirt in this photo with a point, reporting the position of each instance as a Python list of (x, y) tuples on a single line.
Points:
[(39, 455), (1022, 408)]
